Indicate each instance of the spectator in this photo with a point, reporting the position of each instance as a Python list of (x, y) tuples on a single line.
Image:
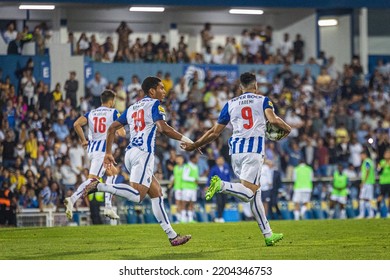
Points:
[(28, 86), (69, 174), (163, 44), (45, 99), (82, 45), (230, 52), (167, 82), (16, 45), (217, 58), (206, 35), (286, 46), (57, 94), (298, 49), (124, 32), (222, 170), (252, 45), (10, 33), (181, 90), (132, 89), (48, 197), (72, 42), (39, 41), (95, 88), (71, 86), (60, 128)]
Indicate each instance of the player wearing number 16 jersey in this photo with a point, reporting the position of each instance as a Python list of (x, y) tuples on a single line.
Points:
[(248, 114), (98, 120), (144, 118)]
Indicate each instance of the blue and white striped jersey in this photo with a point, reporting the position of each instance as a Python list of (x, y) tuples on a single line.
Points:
[(99, 120), (141, 118), (246, 114)]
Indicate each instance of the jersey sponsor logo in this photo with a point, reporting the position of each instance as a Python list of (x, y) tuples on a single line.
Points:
[(161, 110)]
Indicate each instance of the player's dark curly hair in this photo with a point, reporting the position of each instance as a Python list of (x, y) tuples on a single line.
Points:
[(107, 95), (148, 83), (247, 78)]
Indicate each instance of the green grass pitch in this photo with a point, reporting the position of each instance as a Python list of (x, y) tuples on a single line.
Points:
[(304, 240)]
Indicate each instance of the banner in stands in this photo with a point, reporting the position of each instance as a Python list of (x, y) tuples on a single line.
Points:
[(88, 71), (45, 71), (230, 71)]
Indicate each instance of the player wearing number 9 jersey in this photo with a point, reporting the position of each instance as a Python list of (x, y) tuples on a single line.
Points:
[(248, 114), (144, 118), (98, 121)]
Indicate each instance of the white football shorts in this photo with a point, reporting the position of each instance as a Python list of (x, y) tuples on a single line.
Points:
[(367, 192), (247, 166), (189, 195), (178, 194), (97, 167), (140, 165), (301, 196), (339, 199)]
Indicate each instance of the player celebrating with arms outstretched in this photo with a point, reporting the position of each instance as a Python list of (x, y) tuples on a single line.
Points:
[(143, 118), (248, 114)]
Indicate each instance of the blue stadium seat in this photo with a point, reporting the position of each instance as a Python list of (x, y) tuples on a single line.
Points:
[(231, 215)]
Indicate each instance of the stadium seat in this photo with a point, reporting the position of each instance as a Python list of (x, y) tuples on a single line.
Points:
[(231, 215)]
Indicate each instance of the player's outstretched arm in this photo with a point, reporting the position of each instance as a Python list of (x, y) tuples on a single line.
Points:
[(169, 131), (208, 137), (78, 124), (275, 120)]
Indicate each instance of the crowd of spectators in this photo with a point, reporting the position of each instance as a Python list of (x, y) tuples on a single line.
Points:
[(334, 117), (253, 46)]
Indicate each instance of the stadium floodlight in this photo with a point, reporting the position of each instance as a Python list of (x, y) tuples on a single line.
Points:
[(36, 7), (246, 12), (147, 9), (328, 22)]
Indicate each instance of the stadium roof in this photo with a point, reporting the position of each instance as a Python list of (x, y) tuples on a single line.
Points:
[(326, 4)]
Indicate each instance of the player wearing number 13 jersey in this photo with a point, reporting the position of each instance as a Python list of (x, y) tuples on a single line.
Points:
[(98, 120), (248, 114), (144, 118)]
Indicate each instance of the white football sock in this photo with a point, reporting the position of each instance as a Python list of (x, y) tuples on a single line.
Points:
[(331, 213), (370, 210), (79, 192), (259, 214), (237, 190), (190, 215), (362, 208), (121, 190), (343, 214), (183, 216), (108, 196), (296, 215), (303, 211), (162, 217)]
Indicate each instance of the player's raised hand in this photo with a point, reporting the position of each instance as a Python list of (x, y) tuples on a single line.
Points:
[(108, 161)]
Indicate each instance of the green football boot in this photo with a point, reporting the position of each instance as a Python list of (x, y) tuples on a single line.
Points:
[(275, 237), (215, 186)]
